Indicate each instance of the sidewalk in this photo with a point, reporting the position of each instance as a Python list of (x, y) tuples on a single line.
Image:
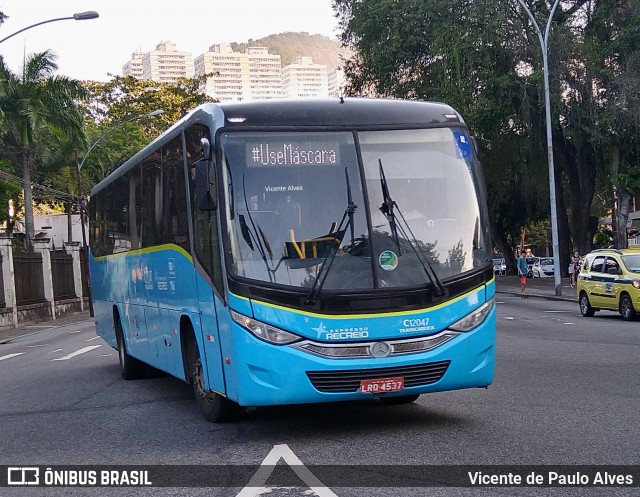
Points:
[(537, 287), (29, 327)]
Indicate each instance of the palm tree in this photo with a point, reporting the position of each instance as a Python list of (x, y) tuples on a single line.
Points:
[(36, 104)]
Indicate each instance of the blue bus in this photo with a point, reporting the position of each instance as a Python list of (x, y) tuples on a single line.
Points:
[(299, 251)]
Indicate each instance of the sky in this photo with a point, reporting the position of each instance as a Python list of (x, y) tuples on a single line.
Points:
[(94, 49)]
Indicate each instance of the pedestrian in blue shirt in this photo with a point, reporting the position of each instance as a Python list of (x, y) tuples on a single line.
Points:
[(522, 272)]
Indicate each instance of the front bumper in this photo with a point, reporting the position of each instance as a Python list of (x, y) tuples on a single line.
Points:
[(266, 374)]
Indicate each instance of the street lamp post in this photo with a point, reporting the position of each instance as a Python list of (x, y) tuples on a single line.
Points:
[(544, 40), (85, 272), (81, 16)]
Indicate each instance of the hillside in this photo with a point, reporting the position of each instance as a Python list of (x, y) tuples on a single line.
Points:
[(321, 49)]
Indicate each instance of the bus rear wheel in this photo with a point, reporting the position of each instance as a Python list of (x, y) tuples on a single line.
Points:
[(396, 401), (214, 407), (130, 367)]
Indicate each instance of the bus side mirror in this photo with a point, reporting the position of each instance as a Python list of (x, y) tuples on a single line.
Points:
[(206, 149), (205, 182)]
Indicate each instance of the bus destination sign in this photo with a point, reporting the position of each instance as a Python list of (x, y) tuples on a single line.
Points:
[(290, 153)]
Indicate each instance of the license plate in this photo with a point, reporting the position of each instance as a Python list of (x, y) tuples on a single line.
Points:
[(382, 385)]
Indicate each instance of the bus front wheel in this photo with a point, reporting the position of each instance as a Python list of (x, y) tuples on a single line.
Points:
[(214, 407)]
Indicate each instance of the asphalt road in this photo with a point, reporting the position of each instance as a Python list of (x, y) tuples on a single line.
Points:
[(567, 391)]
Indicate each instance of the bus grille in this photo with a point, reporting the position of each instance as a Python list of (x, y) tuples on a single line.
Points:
[(348, 380)]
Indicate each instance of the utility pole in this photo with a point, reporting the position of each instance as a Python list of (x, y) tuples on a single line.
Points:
[(544, 45)]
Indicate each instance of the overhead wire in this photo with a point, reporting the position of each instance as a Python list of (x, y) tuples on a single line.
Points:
[(43, 189)]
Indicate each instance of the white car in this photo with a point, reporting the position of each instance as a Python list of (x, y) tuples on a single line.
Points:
[(499, 267), (543, 267)]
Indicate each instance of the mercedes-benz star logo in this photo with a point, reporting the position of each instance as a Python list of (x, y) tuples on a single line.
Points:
[(380, 349)]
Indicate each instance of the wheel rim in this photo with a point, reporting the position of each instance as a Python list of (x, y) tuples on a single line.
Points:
[(198, 381), (584, 304), (626, 308)]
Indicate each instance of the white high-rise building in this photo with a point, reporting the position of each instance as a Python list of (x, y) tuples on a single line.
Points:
[(303, 78), (134, 66), (166, 63), (336, 83), (236, 76)]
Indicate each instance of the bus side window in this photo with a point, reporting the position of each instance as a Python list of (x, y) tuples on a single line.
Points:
[(174, 216)]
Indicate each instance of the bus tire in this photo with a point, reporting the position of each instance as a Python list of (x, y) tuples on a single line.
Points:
[(214, 407), (130, 367), (397, 401)]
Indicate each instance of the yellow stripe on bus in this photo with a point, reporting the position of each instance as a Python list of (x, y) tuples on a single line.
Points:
[(148, 250)]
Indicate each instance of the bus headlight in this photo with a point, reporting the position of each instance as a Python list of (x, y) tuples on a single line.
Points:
[(264, 331), (473, 320)]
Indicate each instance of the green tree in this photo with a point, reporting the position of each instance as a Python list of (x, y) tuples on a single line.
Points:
[(9, 191), (610, 116), (112, 103), (115, 101), (468, 54), (37, 103), (484, 58)]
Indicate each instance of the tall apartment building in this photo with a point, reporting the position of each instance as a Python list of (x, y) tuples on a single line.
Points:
[(336, 82), (236, 76), (164, 64), (303, 78), (134, 66)]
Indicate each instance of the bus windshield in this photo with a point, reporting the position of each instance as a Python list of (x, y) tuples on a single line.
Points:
[(300, 204)]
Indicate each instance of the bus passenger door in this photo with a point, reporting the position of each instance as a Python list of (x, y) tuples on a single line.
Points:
[(208, 276), (210, 351), (206, 250)]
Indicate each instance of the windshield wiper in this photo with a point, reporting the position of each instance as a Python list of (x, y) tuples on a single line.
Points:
[(347, 218), (387, 208)]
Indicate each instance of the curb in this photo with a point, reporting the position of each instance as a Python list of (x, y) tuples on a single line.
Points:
[(541, 296)]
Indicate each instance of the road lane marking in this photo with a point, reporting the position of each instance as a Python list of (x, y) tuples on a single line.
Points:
[(32, 346), (9, 356), (76, 331), (557, 311), (77, 353), (53, 351), (91, 339), (256, 485), (509, 317)]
